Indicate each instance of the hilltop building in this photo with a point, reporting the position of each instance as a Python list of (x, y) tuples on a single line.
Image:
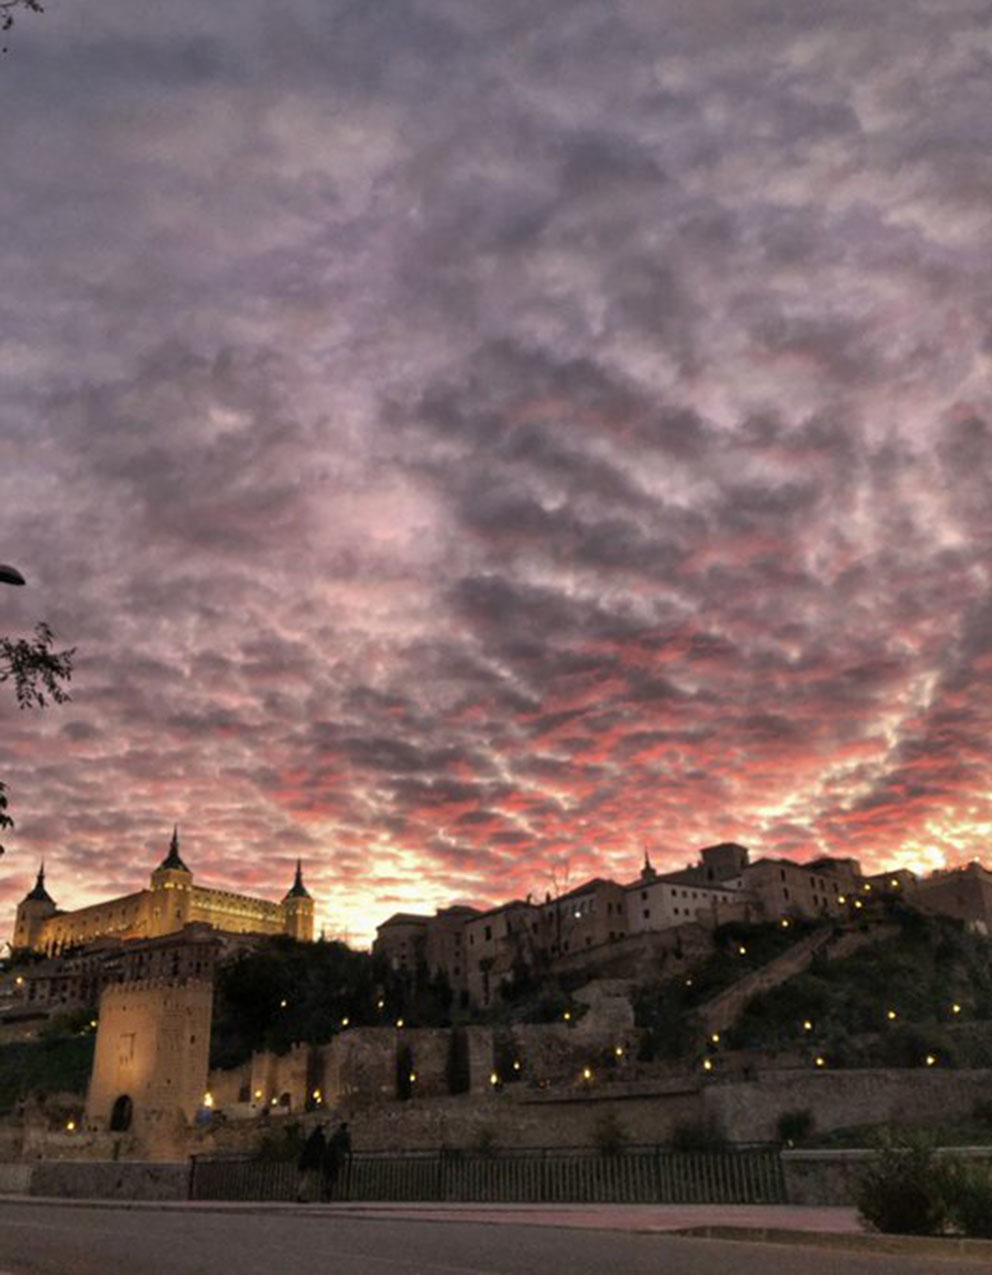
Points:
[(478, 951), (964, 893), (171, 902)]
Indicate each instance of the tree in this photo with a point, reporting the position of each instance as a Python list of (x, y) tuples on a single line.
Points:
[(38, 672), (8, 7)]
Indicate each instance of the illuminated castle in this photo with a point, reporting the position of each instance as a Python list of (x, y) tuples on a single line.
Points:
[(171, 902)]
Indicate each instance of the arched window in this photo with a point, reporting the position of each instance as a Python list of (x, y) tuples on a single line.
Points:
[(120, 1115)]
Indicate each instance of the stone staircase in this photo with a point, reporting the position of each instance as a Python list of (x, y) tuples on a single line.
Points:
[(720, 1012)]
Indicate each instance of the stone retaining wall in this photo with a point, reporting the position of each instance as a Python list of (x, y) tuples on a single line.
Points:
[(96, 1180), (748, 1111)]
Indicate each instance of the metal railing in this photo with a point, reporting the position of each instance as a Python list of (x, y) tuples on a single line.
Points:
[(636, 1175)]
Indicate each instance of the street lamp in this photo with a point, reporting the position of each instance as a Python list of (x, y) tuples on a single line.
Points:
[(10, 575)]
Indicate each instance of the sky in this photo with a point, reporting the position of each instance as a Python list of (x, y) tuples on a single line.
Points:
[(472, 444)]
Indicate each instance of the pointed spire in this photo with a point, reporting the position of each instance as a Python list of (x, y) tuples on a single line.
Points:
[(172, 859), (647, 872), (39, 893), (298, 890)]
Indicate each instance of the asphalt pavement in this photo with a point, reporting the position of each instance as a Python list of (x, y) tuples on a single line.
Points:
[(54, 1238)]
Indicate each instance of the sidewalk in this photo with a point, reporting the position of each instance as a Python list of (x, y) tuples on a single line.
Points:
[(603, 1217)]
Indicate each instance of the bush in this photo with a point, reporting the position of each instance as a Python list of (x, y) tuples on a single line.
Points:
[(486, 1141), (970, 1198), (698, 1135), (281, 1144), (906, 1188), (609, 1135), (795, 1126)]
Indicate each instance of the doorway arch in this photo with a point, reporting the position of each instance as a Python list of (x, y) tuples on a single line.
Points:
[(121, 1114)]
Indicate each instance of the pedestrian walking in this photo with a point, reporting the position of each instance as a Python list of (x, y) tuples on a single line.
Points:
[(311, 1165), (336, 1159)]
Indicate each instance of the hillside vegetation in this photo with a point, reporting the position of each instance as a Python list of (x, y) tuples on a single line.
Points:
[(923, 993)]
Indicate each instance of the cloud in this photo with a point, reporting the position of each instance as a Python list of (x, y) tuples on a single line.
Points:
[(462, 441)]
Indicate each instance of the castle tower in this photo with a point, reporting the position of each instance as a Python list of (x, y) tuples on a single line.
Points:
[(32, 913), (151, 1057), (648, 872), (297, 909), (172, 892)]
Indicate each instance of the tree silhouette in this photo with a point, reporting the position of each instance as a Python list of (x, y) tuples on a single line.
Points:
[(37, 671), (8, 9)]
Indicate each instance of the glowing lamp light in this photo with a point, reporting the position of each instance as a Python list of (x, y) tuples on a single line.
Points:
[(619, 1051), (587, 1073), (868, 887), (493, 1078), (891, 1015), (715, 1038), (380, 1004), (688, 982), (399, 1022), (567, 1016), (413, 1077), (857, 903), (516, 1064), (317, 1096), (820, 1060), (841, 898), (742, 950), (930, 1060), (345, 1022), (955, 1008), (283, 1003), (208, 1099), (258, 1095), (707, 1064), (93, 1023), (785, 922), (807, 1025), (273, 1102), (19, 981), (894, 883), (70, 1126)]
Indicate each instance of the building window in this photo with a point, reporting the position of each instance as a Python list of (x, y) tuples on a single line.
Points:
[(489, 932), (647, 914)]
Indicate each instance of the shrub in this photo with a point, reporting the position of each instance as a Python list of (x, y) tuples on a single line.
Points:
[(609, 1135), (486, 1141), (905, 1189), (969, 1194), (795, 1126), (698, 1135), (982, 1111), (281, 1144)]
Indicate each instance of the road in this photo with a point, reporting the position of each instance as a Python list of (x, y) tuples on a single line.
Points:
[(60, 1240)]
